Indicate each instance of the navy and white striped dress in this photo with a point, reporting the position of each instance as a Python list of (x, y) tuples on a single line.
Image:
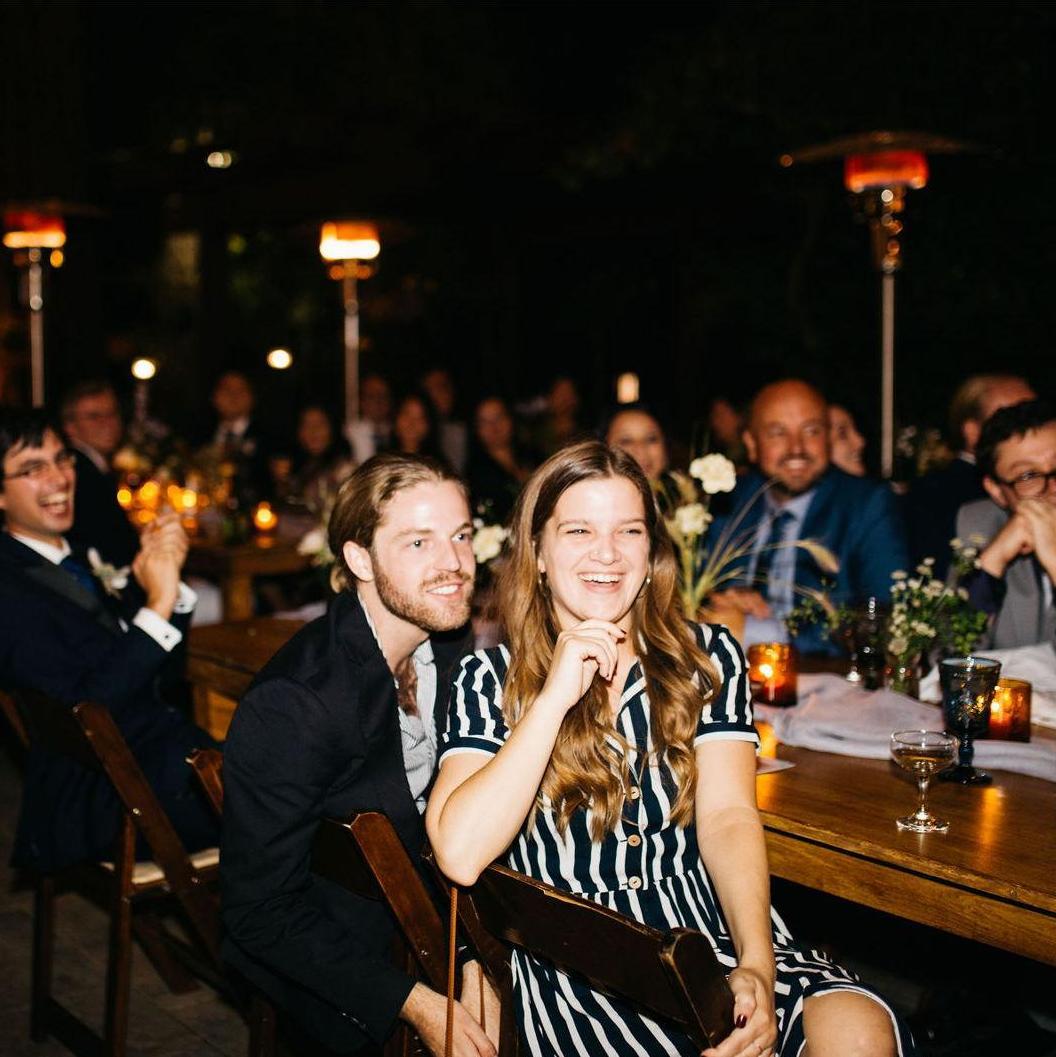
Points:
[(649, 868)]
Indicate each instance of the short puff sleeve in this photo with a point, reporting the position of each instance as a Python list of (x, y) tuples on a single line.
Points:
[(475, 722), (728, 715)]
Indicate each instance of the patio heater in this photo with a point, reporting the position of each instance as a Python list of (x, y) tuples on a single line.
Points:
[(879, 168), (348, 247), (29, 233)]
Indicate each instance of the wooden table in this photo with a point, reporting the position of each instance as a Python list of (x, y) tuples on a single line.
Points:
[(235, 566), (830, 825), (222, 660)]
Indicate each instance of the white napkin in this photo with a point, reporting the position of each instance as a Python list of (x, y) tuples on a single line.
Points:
[(1036, 664), (835, 716)]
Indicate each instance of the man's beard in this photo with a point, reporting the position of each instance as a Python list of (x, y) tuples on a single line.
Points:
[(417, 610)]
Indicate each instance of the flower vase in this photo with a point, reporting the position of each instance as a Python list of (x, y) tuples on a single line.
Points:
[(903, 675)]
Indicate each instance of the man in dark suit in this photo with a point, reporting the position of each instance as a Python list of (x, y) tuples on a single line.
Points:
[(91, 420), (77, 636), (793, 495), (343, 719), (238, 437), (933, 500)]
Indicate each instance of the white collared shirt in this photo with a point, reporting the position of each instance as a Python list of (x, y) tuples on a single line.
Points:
[(417, 733), (155, 625)]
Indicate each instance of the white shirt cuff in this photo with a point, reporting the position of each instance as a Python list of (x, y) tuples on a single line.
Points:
[(186, 600), (158, 628)]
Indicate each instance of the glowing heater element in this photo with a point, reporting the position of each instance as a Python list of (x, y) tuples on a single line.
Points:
[(345, 241), (279, 359), (890, 168), (26, 230), (144, 369)]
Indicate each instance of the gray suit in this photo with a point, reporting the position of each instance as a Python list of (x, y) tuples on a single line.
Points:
[(1023, 618)]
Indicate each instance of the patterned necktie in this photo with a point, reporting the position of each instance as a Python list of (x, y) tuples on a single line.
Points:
[(766, 555), (82, 574), (407, 687)]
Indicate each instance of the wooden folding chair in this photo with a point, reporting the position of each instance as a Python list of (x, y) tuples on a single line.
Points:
[(673, 975), (365, 856), (88, 735)]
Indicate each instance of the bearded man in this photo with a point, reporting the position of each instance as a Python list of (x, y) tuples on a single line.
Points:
[(795, 494), (344, 719)]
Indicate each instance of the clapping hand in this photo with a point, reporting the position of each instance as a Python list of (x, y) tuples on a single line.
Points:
[(162, 552)]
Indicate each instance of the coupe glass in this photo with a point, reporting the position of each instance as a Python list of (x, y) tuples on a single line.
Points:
[(923, 753), (968, 685)]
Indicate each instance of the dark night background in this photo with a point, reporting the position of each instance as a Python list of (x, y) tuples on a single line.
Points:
[(586, 188)]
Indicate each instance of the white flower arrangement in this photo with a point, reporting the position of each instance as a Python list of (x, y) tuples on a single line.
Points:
[(487, 540), (687, 516)]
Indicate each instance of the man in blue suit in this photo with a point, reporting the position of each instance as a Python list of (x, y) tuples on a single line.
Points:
[(67, 634), (807, 498)]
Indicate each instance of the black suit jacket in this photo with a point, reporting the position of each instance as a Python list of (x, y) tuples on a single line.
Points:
[(317, 735), (58, 638), (97, 516), (931, 510)]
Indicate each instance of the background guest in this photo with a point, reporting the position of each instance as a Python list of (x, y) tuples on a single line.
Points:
[(91, 419), (1016, 524), (238, 436), (440, 387), (560, 423), (794, 493), (415, 428), (636, 430), (726, 430), (934, 499), (497, 466), (321, 461), (846, 444), (372, 432)]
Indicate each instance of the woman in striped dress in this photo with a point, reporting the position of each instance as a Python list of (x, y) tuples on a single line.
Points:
[(610, 751)]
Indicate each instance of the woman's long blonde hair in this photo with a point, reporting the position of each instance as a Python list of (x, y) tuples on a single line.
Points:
[(585, 770)]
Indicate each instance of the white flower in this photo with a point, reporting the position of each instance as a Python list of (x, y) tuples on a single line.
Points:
[(715, 472), (315, 544), (488, 541), (899, 574), (914, 584), (898, 646), (113, 579), (956, 543), (692, 519)]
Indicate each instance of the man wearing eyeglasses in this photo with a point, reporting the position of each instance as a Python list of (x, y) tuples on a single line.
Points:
[(72, 632), (1015, 528)]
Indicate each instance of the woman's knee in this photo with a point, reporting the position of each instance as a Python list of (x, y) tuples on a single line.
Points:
[(847, 1024)]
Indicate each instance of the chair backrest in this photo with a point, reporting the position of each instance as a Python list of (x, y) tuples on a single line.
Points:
[(366, 856), (87, 734), (672, 974), (208, 767)]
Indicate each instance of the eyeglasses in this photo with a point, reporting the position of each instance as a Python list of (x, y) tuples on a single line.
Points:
[(1030, 484), (36, 470)]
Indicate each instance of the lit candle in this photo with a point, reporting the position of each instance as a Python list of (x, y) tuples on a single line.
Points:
[(772, 673), (264, 518), (1010, 711)]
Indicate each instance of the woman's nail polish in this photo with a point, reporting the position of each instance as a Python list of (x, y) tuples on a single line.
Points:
[(741, 1020)]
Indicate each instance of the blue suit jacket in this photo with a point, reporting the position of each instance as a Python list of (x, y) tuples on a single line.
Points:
[(855, 517)]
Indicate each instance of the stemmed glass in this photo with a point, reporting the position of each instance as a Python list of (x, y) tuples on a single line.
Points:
[(968, 685), (923, 753)]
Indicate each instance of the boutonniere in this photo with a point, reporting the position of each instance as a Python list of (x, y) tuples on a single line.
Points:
[(113, 579), (487, 540)]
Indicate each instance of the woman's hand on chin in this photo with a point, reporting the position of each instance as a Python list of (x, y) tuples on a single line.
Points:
[(588, 649)]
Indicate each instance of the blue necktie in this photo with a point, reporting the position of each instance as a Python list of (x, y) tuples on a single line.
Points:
[(767, 554), (81, 573)]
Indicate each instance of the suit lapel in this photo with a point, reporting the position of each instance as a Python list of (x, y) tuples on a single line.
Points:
[(817, 517), (55, 579)]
